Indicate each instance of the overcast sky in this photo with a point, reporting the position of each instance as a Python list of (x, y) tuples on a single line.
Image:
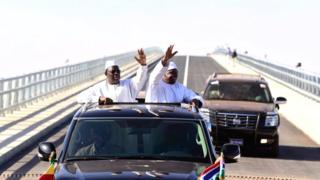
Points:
[(39, 34)]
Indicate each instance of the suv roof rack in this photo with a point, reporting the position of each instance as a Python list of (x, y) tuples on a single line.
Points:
[(86, 106), (215, 75), (90, 104), (147, 103)]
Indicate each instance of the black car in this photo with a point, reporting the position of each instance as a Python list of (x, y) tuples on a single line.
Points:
[(243, 112), (134, 141)]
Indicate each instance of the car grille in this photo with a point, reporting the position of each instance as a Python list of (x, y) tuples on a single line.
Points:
[(237, 120)]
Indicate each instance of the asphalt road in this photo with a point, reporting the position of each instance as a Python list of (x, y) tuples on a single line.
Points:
[(299, 156)]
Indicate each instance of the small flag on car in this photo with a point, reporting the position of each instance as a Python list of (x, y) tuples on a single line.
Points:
[(214, 171), (49, 174)]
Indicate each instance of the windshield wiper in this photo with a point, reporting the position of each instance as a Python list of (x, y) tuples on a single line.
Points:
[(88, 158), (147, 157), (161, 157)]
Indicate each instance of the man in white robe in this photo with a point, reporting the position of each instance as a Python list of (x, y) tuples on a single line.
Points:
[(114, 89), (163, 86)]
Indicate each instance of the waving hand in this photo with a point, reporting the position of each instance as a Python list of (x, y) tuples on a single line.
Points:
[(141, 58), (168, 55)]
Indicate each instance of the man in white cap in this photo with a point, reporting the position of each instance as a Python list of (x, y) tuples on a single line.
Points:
[(163, 86), (114, 89)]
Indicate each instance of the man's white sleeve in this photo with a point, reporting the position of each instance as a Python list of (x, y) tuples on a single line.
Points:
[(152, 92), (88, 95), (157, 74), (189, 95), (140, 79)]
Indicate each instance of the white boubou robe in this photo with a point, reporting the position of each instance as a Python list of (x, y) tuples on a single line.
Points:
[(162, 92), (126, 91)]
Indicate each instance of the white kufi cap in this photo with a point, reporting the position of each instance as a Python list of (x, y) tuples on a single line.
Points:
[(110, 63), (172, 65)]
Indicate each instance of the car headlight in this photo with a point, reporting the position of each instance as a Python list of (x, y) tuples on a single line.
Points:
[(272, 119)]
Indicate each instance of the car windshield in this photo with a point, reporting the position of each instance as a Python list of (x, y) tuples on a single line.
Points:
[(138, 139), (238, 91)]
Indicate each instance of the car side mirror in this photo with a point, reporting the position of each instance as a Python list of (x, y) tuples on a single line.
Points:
[(231, 152), (45, 150), (280, 100)]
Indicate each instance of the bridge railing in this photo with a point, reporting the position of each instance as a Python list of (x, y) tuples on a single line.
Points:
[(303, 80), (19, 90)]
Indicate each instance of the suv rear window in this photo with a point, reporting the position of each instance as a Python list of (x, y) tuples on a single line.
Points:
[(138, 139), (237, 91)]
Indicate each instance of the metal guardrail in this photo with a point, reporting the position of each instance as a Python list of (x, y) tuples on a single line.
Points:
[(17, 91), (305, 81)]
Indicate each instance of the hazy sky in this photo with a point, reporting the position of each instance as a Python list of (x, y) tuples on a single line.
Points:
[(39, 34)]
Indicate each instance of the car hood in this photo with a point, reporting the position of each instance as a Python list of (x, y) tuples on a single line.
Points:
[(129, 169), (239, 106)]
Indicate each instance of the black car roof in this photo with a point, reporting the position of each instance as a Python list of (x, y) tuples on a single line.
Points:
[(136, 110)]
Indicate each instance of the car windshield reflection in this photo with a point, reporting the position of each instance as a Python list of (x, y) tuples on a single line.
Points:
[(244, 91), (138, 139)]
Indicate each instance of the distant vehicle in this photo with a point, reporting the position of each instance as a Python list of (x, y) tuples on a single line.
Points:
[(135, 141), (243, 112)]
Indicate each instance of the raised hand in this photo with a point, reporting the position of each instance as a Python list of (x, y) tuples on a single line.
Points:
[(196, 104), (168, 55), (141, 59)]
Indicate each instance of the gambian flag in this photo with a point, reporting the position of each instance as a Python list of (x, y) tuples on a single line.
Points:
[(215, 171), (49, 174)]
